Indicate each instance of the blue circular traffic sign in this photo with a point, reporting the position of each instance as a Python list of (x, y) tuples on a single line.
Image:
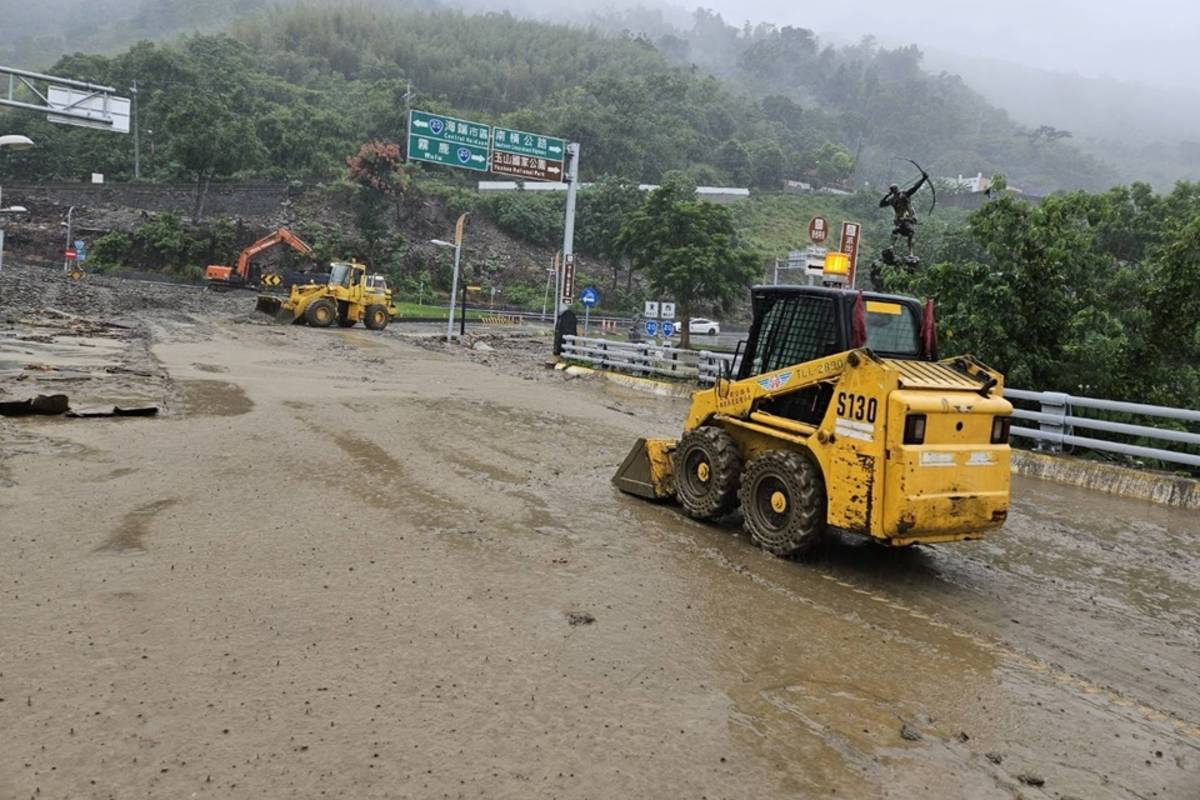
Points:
[(436, 125), (668, 328), (589, 297), (464, 154), (651, 327)]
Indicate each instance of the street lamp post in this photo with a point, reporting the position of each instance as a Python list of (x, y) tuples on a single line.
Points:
[(16, 142), (459, 231), (67, 261)]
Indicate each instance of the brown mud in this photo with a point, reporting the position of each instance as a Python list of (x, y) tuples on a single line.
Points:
[(351, 566)]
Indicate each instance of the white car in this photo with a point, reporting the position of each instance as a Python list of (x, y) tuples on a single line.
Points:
[(706, 327)]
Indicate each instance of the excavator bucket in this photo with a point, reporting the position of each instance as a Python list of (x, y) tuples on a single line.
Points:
[(647, 470)]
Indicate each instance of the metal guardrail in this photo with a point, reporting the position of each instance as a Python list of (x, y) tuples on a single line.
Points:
[(646, 358), (1057, 423), (1055, 419)]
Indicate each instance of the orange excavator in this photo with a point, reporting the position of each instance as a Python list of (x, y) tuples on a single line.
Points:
[(249, 273)]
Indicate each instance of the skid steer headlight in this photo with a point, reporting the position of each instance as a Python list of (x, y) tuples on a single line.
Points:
[(914, 429), (1000, 429)]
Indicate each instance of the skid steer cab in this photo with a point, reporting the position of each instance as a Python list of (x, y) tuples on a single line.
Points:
[(349, 297), (838, 415)]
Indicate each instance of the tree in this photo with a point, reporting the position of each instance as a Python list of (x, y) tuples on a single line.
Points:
[(733, 158), (208, 140), (378, 178), (603, 209), (687, 248), (769, 164)]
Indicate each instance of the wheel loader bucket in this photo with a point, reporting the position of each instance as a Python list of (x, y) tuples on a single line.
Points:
[(275, 307), (268, 305), (647, 470)]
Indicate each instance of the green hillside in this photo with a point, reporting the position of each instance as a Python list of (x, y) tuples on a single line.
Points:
[(289, 93)]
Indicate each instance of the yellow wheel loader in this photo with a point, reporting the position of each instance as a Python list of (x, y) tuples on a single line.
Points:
[(348, 297), (839, 415)]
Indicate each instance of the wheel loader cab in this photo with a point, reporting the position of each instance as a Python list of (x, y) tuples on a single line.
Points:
[(345, 275)]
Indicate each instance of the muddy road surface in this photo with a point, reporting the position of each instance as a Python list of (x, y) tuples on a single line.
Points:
[(343, 563)]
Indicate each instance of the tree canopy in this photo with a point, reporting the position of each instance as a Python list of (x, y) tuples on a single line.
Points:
[(687, 249)]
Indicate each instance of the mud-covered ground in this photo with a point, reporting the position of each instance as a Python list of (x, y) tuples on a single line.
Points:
[(353, 564)]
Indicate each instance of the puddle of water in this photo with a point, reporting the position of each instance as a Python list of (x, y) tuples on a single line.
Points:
[(135, 526), (215, 398)]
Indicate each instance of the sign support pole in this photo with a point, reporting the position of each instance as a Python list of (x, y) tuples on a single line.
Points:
[(569, 222)]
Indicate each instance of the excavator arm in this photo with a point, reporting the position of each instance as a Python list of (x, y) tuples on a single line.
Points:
[(240, 275), (281, 236)]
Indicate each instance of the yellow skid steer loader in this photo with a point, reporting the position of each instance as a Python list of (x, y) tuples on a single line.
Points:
[(838, 415)]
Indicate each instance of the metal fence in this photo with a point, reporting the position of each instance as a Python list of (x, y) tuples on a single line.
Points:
[(1122, 426), (646, 359), (1058, 417)]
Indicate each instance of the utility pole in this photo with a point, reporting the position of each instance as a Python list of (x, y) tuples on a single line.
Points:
[(568, 250), (137, 145)]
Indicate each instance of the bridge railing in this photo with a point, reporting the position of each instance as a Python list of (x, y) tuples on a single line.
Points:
[(1058, 420), (1058, 415), (646, 358)]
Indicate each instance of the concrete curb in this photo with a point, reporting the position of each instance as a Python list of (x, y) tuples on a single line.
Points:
[(660, 388), (1154, 487)]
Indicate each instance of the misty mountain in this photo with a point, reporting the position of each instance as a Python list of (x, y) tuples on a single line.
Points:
[(1150, 132), (811, 111)]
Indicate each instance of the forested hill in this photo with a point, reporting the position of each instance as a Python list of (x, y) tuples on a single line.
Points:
[(290, 93)]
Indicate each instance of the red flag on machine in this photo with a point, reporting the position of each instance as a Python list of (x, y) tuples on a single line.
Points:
[(858, 330), (929, 332)]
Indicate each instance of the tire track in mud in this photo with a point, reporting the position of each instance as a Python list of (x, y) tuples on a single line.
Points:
[(1092, 693)]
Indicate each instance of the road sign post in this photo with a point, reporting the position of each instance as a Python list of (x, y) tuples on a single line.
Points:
[(449, 141), (851, 232), (569, 222), (589, 297), (818, 229)]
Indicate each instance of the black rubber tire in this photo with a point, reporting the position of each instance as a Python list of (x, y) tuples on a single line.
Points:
[(716, 495), (712, 331), (376, 317), (800, 526), (320, 313)]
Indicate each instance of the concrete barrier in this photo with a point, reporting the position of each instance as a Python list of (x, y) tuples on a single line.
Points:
[(1136, 484)]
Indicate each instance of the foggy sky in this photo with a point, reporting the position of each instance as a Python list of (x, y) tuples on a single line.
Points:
[(1149, 41)]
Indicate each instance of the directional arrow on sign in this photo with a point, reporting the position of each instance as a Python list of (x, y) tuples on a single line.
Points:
[(420, 123)]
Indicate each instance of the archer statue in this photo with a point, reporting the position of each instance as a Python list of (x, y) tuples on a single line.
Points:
[(900, 201)]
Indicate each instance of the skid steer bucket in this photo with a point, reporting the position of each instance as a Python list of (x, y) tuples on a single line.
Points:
[(647, 470)]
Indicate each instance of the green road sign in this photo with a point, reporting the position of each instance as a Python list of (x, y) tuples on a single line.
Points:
[(448, 140), (506, 140), (466, 156)]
